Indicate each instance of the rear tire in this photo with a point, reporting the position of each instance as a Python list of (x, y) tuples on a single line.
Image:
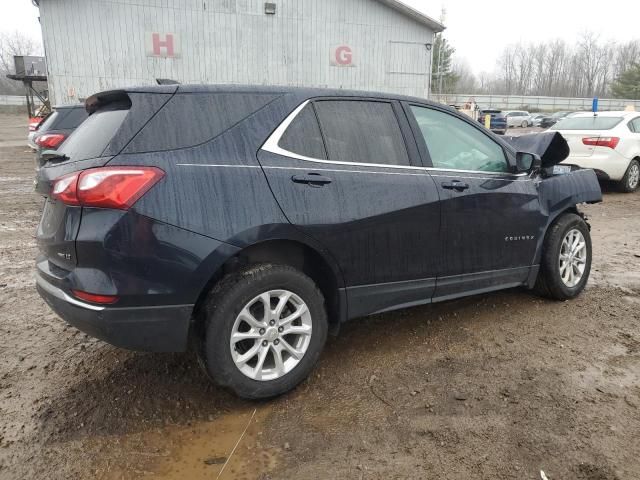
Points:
[(235, 308), (631, 179), (566, 258)]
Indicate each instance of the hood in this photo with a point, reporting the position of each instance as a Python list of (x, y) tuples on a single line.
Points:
[(550, 146)]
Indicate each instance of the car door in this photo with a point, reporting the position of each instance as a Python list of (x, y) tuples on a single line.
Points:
[(491, 218), (342, 172)]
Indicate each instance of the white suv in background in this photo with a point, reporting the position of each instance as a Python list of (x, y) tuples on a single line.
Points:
[(518, 118), (607, 142)]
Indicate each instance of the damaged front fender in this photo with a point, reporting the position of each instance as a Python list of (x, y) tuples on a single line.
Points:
[(557, 192)]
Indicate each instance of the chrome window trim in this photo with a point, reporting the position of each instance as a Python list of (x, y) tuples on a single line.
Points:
[(272, 146)]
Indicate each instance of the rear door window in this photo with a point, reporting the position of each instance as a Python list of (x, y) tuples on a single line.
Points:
[(634, 125), (453, 144), (303, 135), (361, 131)]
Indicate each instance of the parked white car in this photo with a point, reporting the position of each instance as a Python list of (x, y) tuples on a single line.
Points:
[(518, 118), (607, 142)]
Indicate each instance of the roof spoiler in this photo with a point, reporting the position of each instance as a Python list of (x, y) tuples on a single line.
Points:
[(119, 99)]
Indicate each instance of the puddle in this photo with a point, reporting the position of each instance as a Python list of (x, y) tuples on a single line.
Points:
[(227, 448)]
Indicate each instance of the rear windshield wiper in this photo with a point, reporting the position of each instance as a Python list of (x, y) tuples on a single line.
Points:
[(53, 156)]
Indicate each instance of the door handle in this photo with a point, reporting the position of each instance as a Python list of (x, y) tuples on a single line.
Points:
[(456, 185), (313, 179)]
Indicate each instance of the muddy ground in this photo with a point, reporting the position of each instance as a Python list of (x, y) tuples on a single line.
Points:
[(499, 386)]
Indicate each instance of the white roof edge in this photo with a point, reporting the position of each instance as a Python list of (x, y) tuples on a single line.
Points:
[(415, 14), (607, 113)]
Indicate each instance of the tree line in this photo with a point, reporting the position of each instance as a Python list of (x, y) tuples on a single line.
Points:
[(589, 67)]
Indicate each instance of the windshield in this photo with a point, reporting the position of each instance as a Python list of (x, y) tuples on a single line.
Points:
[(587, 123)]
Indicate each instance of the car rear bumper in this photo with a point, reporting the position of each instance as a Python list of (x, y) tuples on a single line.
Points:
[(154, 329), (609, 166)]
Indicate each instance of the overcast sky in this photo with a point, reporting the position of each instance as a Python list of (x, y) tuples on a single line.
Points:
[(480, 29), (19, 15), (477, 29)]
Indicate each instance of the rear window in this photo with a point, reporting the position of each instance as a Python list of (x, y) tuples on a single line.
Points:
[(48, 121), (493, 113), (70, 118), (587, 123), (91, 138)]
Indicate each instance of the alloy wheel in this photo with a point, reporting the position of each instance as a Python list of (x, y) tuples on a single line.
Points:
[(270, 335), (573, 258)]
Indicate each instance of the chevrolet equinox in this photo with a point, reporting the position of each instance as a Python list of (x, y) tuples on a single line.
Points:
[(248, 222)]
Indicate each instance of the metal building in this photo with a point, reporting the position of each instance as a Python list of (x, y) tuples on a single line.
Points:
[(94, 45)]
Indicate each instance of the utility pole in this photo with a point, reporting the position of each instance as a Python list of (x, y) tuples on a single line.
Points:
[(443, 14)]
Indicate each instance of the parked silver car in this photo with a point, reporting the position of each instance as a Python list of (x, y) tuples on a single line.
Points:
[(518, 118)]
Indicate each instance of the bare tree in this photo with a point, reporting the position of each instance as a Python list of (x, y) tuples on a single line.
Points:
[(591, 66), (466, 81), (507, 63), (15, 43), (554, 68), (626, 55)]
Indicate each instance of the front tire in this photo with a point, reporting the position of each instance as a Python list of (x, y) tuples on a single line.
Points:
[(566, 258), (264, 329), (631, 179), (525, 124)]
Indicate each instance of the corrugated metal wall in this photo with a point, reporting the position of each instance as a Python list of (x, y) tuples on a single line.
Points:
[(93, 45)]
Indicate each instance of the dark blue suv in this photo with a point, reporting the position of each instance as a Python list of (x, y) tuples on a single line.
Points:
[(248, 222), (497, 122)]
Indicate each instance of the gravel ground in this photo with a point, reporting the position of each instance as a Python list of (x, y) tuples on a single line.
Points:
[(499, 386)]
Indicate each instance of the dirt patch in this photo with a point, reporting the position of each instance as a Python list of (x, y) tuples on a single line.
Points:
[(497, 386)]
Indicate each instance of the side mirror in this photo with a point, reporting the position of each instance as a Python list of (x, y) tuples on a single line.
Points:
[(527, 162)]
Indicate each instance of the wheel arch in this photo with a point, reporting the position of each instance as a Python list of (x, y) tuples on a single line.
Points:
[(317, 265), (553, 217)]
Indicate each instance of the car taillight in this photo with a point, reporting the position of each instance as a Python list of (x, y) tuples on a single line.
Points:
[(107, 187), (95, 298), (50, 140), (33, 123), (610, 142)]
